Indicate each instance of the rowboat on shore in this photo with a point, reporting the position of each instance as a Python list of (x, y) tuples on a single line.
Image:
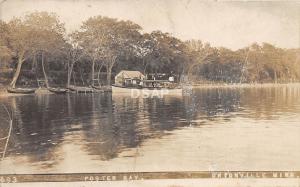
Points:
[(58, 90), (102, 88), (21, 90), (80, 89)]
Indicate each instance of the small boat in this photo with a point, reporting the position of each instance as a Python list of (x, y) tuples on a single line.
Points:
[(102, 88), (58, 90), (21, 90), (97, 87), (79, 89)]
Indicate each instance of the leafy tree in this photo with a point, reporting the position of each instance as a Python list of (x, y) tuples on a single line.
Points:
[(201, 55), (73, 53), (49, 36), (36, 33), (164, 53), (5, 53), (21, 39), (273, 60), (112, 38)]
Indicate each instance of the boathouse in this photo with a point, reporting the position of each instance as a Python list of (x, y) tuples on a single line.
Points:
[(128, 78)]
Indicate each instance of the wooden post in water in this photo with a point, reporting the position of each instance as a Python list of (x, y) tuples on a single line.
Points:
[(9, 133)]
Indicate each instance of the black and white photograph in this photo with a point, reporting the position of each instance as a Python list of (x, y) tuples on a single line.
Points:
[(149, 93)]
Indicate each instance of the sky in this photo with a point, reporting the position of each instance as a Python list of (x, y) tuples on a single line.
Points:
[(221, 23)]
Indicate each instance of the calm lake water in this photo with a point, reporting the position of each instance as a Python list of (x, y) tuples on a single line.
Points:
[(214, 129)]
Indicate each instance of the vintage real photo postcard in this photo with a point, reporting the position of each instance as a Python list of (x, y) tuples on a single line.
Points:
[(149, 93)]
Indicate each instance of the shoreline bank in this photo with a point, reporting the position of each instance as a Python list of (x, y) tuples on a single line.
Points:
[(40, 91), (246, 85)]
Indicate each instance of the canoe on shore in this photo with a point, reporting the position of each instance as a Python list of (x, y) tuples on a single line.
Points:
[(102, 88), (21, 90), (58, 90), (79, 89)]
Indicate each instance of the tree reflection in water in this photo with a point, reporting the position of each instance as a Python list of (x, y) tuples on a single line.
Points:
[(104, 125)]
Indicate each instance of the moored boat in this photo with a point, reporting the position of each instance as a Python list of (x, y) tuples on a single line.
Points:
[(137, 84), (58, 90), (21, 90), (79, 89), (102, 88), (97, 87)]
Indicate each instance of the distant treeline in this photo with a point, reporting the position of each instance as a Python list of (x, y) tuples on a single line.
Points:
[(37, 46)]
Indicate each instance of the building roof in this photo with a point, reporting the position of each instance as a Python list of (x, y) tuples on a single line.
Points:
[(130, 74)]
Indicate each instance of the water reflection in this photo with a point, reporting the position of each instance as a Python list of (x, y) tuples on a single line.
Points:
[(102, 126), (212, 104), (270, 103)]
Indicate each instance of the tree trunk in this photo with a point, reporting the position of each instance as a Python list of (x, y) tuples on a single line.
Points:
[(35, 66), (99, 71), (110, 65), (145, 68), (108, 75), (18, 70), (74, 81), (70, 70), (81, 76), (34, 63), (145, 64), (189, 70), (69, 78), (44, 72), (93, 71)]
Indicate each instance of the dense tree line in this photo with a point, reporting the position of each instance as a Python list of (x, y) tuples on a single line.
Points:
[(37, 46)]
